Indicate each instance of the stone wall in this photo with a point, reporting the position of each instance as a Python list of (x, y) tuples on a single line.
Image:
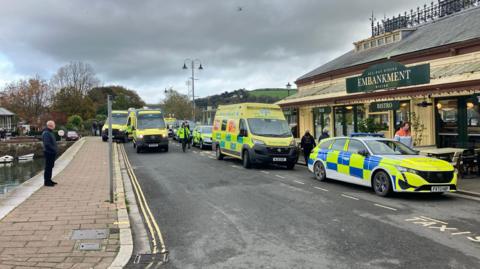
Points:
[(19, 149)]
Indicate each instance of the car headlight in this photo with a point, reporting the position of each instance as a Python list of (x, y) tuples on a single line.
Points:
[(293, 143), (140, 136), (406, 170), (258, 142)]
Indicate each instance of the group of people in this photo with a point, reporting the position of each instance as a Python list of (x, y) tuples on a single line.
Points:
[(184, 135), (403, 135)]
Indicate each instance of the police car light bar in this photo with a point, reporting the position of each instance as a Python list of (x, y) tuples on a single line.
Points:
[(367, 134)]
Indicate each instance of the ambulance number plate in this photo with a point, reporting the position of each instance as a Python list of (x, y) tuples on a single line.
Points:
[(152, 145), (279, 159)]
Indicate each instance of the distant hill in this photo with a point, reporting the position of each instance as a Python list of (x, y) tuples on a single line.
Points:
[(268, 95)]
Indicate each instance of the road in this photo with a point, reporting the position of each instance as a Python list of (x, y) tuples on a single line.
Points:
[(216, 214)]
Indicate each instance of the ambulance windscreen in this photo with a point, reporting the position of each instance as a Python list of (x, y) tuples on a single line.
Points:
[(269, 127), (150, 121)]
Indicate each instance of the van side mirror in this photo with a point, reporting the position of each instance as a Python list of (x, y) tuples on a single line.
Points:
[(243, 132), (363, 152)]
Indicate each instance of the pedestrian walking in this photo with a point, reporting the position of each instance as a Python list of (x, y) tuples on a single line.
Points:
[(190, 135), (94, 128), (323, 135), (404, 135), (307, 144), (183, 134), (50, 152)]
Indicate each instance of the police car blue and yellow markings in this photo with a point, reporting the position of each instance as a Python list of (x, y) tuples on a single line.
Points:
[(362, 167)]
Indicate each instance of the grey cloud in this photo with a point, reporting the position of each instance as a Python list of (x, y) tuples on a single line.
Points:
[(143, 43)]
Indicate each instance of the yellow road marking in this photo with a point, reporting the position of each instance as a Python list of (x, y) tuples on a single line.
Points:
[(150, 215)]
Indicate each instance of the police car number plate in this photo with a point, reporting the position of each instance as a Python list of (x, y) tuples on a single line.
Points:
[(152, 145), (440, 188), (279, 159)]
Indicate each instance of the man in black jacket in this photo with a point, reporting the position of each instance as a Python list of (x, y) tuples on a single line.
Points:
[(307, 144), (50, 152)]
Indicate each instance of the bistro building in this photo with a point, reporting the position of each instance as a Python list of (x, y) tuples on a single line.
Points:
[(422, 67)]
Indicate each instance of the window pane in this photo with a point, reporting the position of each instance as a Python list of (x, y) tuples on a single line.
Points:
[(447, 116), (473, 117), (354, 146), (382, 120), (326, 144), (339, 144), (401, 115), (339, 121)]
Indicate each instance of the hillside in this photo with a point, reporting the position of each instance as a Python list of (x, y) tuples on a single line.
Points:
[(241, 95)]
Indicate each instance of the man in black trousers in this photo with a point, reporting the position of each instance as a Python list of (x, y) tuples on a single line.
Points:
[(50, 152)]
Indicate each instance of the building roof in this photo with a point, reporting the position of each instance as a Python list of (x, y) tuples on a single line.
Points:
[(458, 27), (5, 112)]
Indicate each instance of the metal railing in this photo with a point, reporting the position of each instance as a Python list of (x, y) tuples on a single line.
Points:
[(420, 16)]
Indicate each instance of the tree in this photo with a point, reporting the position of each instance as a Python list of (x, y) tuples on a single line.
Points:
[(78, 76), (29, 99), (75, 122), (72, 102), (178, 105), (123, 98)]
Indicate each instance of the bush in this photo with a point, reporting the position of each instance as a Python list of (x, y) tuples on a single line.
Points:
[(75, 122)]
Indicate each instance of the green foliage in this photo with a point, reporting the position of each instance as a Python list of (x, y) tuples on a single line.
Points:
[(75, 122), (178, 105), (123, 98), (242, 95), (274, 93), (369, 125), (73, 102)]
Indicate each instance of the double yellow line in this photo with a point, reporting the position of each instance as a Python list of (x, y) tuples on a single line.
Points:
[(147, 213)]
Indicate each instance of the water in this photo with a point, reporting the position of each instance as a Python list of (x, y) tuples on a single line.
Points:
[(15, 173)]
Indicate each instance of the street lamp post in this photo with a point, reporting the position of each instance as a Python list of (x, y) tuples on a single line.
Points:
[(289, 86), (200, 67)]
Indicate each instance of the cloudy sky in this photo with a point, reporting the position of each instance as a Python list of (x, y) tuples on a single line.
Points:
[(142, 44)]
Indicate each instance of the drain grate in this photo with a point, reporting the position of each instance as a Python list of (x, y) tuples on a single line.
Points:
[(90, 234), (89, 246)]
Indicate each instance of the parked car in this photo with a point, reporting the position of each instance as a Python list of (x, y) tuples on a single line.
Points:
[(72, 136), (202, 136), (383, 164)]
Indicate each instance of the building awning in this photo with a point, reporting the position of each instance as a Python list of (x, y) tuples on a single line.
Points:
[(445, 78), (5, 112)]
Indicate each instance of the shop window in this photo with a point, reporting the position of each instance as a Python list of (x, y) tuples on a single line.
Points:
[(402, 114), (447, 116), (381, 120), (346, 119), (321, 121), (473, 117)]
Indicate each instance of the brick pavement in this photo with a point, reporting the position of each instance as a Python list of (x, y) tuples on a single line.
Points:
[(38, 232)]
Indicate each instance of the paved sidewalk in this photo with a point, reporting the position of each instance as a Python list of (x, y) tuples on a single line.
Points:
[(38, 233)]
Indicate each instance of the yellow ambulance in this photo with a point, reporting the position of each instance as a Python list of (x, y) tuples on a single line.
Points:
[(119, 126), (148, 130), (254, 133)]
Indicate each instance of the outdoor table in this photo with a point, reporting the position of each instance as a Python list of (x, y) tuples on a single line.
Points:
[(440, 151)]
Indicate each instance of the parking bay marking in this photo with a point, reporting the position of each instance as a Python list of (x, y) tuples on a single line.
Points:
[(350, 197), (265, 172), (386, 207), (322, 189), (299, 182), (279, 176)]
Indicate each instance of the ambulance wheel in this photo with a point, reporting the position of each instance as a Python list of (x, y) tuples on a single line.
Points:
[(134, 145), (201, 146), (104, 139), (246, 160), (218, 153), (139, 150), (381, 183), (166, 149)]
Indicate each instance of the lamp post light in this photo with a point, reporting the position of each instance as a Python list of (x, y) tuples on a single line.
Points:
[(193, 64), (289, 86)]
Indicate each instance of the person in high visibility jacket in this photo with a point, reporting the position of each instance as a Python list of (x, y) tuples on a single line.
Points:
[(183, 134)]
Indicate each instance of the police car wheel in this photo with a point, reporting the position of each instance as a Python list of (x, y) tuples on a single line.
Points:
[(382, 184), (218, 153), (319, 171), (201, 144), (246, 160)]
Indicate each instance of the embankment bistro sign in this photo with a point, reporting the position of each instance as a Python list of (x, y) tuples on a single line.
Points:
[(389, 75)]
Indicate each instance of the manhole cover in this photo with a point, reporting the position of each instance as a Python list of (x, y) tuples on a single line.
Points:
[(90, 234), (89, 246)]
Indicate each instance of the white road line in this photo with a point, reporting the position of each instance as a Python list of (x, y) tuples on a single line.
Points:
[(387, 207), (350, 197), (213, 158), (265, 172), (434, 220), (322, 189), (235, 166), (279, 176), (460, 233), (299, 182)]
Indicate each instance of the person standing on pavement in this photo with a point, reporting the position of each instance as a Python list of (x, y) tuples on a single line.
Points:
[(323, 135), (183, 134), (403, 135), (50, 152), (307, 144)]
